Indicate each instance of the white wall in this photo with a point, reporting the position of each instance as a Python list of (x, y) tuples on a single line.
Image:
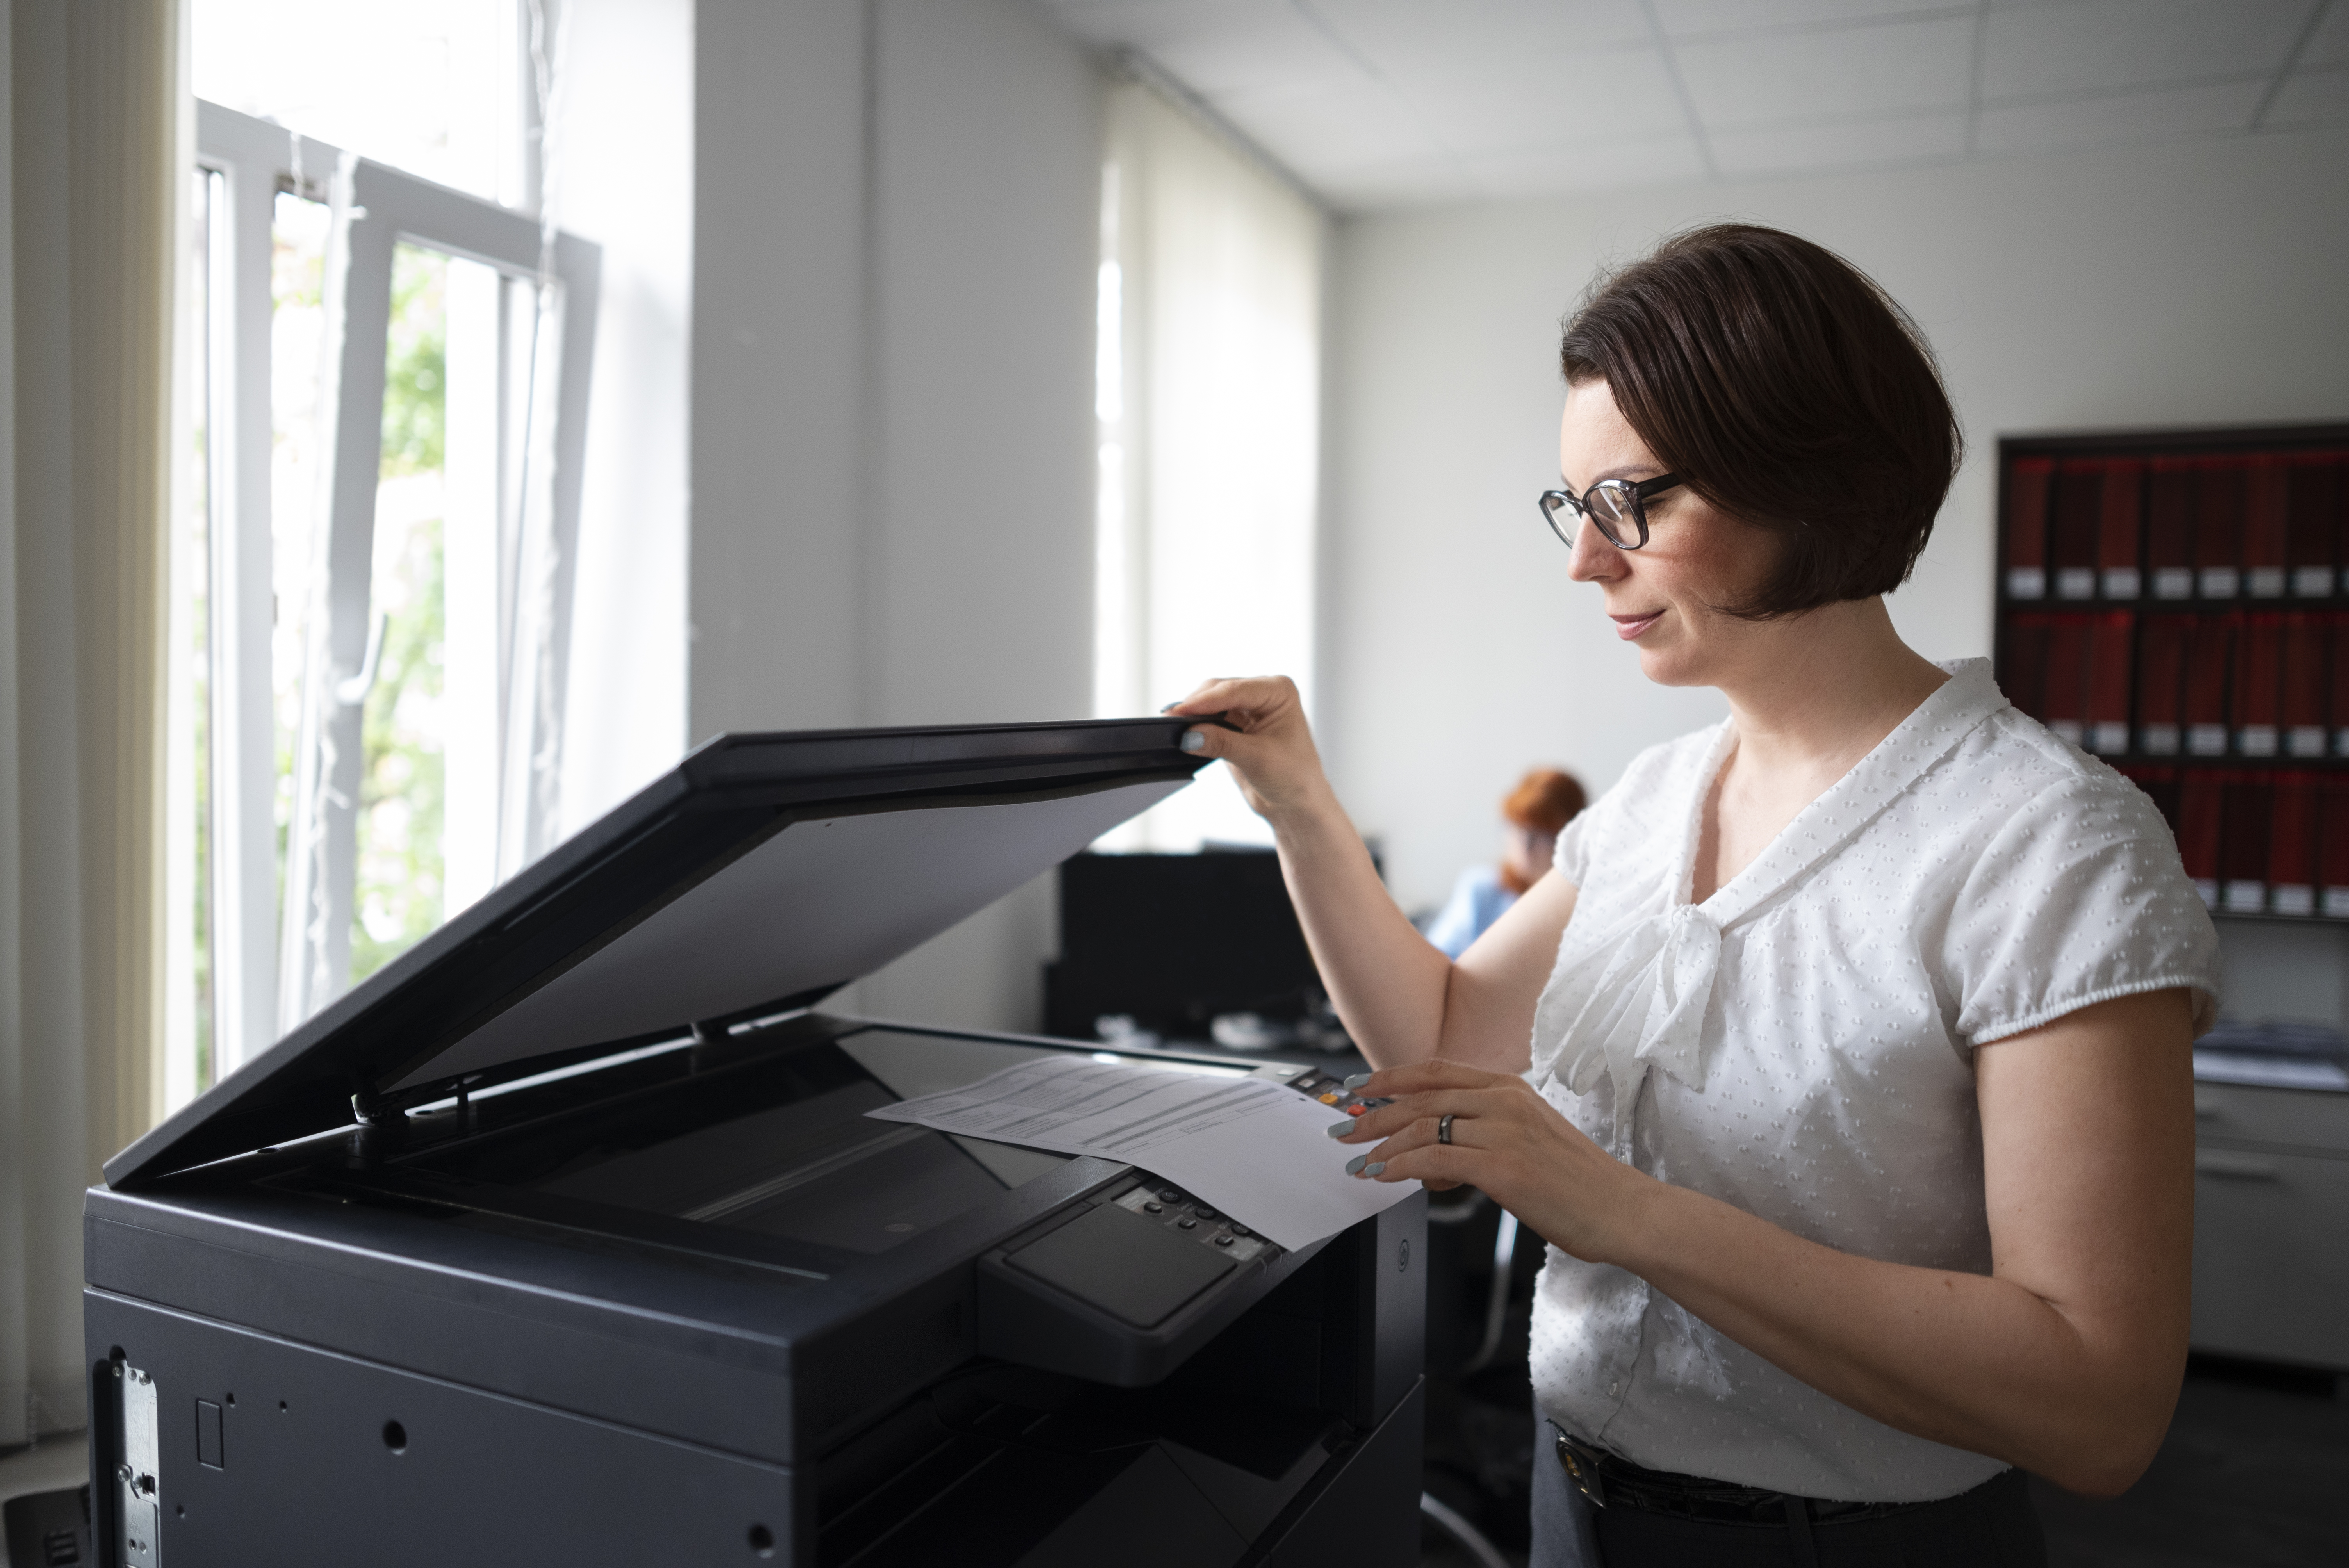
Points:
[(622, 141), (2188, 284), (895, 233)]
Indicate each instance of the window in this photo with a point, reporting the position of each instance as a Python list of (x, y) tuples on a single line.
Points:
[(1208, 387), (371, 572)]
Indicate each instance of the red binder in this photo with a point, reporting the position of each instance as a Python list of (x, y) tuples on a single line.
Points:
[(2292, 845), (2245, 813), (2065, 708), (2209, 648), (2022, 672), (2198, 820), (2122, 521), (2312, 529), (2026, 527), (2075, 534), (2219, 528), (2266, 491), (2108, 683), (2259, 685), (2333, 847), (2169, 527), (2304, 669), (2337, 701), (2161, 673), (2161, 785)]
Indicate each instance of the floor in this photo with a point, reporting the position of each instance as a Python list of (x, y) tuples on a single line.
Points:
[(2254, 1474)]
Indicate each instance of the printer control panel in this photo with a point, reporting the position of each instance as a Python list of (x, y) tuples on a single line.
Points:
[(1190, 1217)]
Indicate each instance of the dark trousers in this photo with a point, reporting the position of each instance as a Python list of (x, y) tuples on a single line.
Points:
[(1992, 1526)]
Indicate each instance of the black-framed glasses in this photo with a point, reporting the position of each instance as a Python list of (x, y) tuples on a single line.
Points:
[(1619, 506)]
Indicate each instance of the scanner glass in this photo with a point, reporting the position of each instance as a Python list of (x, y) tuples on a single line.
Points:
[(781, 1146)]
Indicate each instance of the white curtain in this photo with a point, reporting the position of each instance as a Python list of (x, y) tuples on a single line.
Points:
[(1209, 408), (94, 175)]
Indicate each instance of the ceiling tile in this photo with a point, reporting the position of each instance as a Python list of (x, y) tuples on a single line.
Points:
[(1329, 125), (1846, 144), (2329, 45), (2311, 98), (1538, 101), (2087, 45), (1845, 70), (1425, 184), (1466, 35), (1670, 160), (1685, 18), (2120, 117), (1215, 46)]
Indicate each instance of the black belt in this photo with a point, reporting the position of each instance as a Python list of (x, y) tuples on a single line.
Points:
[(1609, 1480)]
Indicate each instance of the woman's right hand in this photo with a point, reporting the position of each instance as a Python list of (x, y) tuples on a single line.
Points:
[(1270, 746)]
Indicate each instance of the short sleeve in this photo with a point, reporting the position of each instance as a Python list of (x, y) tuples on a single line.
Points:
[(2078, 898), (1571, 858)]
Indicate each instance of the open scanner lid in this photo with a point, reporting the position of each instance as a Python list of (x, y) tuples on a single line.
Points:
[(761, 874)]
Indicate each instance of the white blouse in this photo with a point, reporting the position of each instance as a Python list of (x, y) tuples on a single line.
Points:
[(1800, 1045)]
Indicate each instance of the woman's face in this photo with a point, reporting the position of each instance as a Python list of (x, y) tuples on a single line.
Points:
[(1660, 597)]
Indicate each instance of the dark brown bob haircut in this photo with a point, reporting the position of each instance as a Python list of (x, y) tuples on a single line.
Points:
[(1783, 386)]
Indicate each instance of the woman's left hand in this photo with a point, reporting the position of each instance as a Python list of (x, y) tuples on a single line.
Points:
[(1506, 1140)]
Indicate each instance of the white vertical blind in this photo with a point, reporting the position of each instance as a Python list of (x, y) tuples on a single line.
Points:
[(1209, 410)]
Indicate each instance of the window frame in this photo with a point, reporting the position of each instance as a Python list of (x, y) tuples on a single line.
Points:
[(273, 969)]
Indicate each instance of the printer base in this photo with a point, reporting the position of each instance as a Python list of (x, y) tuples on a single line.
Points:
[(326, 1457)]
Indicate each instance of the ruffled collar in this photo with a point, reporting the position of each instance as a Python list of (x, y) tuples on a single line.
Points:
[(1636, 995)]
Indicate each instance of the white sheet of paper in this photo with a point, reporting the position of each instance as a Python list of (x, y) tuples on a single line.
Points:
[(1255, 1149)]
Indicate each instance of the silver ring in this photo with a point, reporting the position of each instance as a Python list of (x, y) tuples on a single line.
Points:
[(1443, 1129)]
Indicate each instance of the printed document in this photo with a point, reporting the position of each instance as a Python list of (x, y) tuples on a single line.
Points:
[(1257, 1149)]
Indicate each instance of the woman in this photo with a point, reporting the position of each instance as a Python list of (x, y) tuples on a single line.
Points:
[(1843, 1058), (1537, 811)]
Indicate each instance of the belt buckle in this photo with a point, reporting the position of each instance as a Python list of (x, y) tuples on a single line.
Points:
[(1581, 1471)]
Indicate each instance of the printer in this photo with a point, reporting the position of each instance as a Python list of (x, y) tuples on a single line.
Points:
[(565, 1239)]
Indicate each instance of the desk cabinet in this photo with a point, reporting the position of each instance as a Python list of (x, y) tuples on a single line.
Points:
[(2271, 1223)]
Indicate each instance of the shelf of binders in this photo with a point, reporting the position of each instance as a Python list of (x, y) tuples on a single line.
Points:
[(2178, 603)]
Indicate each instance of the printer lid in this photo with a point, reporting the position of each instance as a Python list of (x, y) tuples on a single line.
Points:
[(760, 874)]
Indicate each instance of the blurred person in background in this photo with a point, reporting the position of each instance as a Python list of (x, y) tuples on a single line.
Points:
[(1542, 804)]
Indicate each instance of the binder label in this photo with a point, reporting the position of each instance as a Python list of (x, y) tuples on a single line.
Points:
[(2221, 582), (2290, 900), (2256, 741), (2246, 898), (2026, 582), (2122, 583), (2076, 582), (2210, 740), (2306, 740), (2109, 739), (2312, 581), (2158, 740), (2173, 582), (2266, 581)]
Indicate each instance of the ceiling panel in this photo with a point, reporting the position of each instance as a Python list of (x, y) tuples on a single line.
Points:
[(2329, 45), (1332, 124), (2311, 98), (1380, 103), (2089, 46), (1535, 102), (1884, 67), (1467, 36), (2120, 117), (1686, 18), (1665, 160), (1845, 144)]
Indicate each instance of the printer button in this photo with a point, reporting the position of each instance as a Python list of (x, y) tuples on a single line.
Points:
[(1168, 1195), (1187, 1223), (1224, 1240), (1206, 1212), (1153, 1208)]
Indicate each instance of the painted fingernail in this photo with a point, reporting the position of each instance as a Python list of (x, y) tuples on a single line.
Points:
[(1171, 707), (1374, 1167), (1339, 1129), (1358, 1079), (1194, 741), (1354, 1166)]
